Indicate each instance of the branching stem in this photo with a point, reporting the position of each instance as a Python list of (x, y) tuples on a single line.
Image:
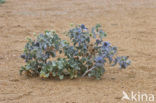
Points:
[(88, 71)]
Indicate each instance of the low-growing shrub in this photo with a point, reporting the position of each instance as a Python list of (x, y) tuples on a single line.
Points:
[(85, 55)]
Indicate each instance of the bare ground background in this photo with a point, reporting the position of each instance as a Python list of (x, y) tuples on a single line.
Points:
[(130, 25)]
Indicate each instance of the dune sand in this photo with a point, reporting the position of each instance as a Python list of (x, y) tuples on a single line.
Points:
[(130, 25)]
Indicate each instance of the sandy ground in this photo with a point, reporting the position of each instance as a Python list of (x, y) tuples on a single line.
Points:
[(130, 25)]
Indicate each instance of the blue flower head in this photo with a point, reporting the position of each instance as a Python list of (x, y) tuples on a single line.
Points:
[(83, 26), (98, 41), (99, 59), (123, 61), (106, 44)]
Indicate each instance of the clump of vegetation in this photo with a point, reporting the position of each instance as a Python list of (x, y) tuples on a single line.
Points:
[(2, 1), (81, 57)]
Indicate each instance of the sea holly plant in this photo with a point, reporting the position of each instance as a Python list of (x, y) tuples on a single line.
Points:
[(84, 55)]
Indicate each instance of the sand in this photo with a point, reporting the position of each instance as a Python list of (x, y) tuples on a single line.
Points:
[(130, 25)]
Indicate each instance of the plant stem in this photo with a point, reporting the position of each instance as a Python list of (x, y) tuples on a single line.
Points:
[(88, 71)]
